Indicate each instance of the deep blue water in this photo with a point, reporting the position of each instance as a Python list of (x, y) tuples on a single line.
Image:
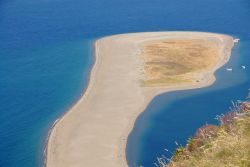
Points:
[(46, 55)]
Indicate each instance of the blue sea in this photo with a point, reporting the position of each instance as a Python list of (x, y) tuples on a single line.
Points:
[(46, 54)]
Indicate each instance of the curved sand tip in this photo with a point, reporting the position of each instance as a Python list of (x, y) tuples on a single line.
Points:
[(130, 70)]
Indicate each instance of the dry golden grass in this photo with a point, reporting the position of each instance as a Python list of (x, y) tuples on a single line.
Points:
[(225, 146), (177, 61)]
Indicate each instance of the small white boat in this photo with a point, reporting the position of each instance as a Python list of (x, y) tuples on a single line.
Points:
[(244, 67), (229, 69), (236, 40), (239, 101)]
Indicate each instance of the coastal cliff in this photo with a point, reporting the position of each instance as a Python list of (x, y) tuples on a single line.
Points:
[(226, 145)]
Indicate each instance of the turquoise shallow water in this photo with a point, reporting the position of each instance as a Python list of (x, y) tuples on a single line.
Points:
[(46, 55)]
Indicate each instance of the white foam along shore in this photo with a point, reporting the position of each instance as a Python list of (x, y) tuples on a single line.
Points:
[(94, 132)]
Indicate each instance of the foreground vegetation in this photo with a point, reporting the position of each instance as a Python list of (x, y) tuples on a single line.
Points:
[(227, 145)]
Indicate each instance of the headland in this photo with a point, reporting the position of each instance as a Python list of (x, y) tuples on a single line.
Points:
[(129, 71)]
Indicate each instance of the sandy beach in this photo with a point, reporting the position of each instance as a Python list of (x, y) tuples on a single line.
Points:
[(94, 132)]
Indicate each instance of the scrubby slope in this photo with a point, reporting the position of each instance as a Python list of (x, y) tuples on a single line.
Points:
[(227, 145)]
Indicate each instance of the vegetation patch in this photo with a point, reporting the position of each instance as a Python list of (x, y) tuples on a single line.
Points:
[(226, 145), (175, 61)]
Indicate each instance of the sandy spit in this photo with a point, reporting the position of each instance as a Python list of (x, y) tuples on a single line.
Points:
[(93, 133)]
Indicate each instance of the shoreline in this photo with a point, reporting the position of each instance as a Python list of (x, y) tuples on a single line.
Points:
[(150, 93), (45, 151), (47, 141)]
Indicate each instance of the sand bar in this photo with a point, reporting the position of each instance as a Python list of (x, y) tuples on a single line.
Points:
[(94, 132)]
